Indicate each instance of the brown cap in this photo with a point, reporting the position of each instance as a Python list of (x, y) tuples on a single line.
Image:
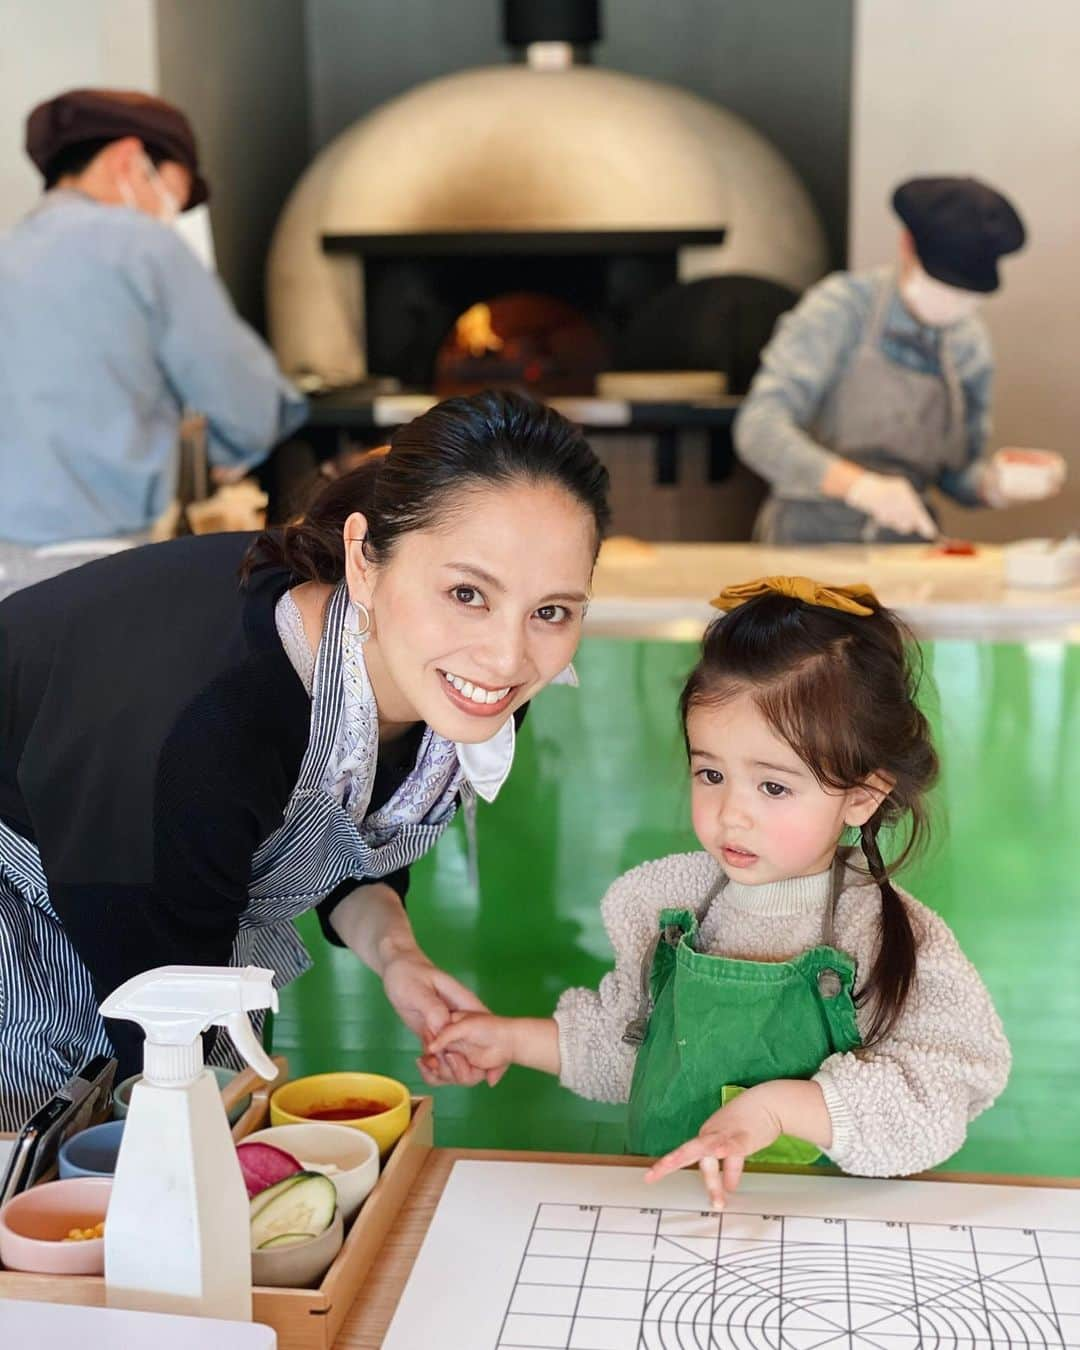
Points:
[(100, 114)]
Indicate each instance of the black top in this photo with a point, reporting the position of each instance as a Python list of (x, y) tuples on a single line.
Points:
[(152, 729)]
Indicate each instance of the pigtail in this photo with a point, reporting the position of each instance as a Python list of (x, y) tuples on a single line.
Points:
[(893, 971)]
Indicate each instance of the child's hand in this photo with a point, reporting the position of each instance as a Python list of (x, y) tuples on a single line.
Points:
[(485, 1041), (748, 1123), (488, 1044), (453, 1070)]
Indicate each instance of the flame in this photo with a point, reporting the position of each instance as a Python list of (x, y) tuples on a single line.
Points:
[(474, 331)]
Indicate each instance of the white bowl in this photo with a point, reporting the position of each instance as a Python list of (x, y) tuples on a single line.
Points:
[(320, 1146)]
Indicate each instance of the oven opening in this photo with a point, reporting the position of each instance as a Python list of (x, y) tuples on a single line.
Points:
[(524, 338)]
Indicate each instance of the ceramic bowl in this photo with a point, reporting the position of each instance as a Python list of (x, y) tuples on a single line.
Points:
[(122, 1095), (92, 1152), (34, 1224), (292, 1103), (301, 1265), (319, 1144)]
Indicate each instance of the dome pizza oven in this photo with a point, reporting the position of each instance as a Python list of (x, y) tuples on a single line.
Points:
[(536, 225)]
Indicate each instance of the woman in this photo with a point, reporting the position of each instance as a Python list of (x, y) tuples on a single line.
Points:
[(188, 763)]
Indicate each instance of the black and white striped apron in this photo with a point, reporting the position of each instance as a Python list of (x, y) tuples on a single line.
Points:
[(49, 1024)]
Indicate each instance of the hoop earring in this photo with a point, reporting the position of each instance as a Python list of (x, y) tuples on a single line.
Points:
[(363, 618)]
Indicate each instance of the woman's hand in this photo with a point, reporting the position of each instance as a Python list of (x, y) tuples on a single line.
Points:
[(425, 998), (754, 1120), (372, 922)]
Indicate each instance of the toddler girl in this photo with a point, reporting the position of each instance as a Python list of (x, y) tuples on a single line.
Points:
[(776, 995)]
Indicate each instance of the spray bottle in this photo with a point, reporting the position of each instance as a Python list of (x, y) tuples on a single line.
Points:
[(177, 1234)]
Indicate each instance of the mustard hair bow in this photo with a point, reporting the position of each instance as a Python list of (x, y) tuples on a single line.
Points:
[(847, 599)]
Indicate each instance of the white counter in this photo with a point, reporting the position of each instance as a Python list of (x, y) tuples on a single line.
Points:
[(662, 590)]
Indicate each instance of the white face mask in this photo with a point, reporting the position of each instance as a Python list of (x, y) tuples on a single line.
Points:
[(934, 303), (170, 207), (193, 227)]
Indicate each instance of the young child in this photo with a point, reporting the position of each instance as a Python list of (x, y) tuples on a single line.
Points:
[(778, 961)]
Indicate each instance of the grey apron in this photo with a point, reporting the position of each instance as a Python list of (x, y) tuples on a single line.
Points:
[(887, 418), (49, 1024)]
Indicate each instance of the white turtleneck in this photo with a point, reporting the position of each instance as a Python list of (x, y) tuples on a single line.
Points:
[(899, 1107)]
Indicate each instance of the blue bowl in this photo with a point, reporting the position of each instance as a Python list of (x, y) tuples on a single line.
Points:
[(93, 1152)]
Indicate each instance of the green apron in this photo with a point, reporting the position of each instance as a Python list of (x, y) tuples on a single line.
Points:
[(718, 1025)]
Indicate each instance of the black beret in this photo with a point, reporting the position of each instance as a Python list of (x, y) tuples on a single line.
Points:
[(961, 227), (111, 114)]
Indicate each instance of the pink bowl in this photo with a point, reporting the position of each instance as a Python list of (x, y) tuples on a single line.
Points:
[(34, 1224)]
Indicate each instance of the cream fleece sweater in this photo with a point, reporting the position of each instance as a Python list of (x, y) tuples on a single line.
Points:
[(900, 1107)]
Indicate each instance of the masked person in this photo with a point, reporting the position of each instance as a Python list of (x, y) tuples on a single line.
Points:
[(876, 387), (111, 329)]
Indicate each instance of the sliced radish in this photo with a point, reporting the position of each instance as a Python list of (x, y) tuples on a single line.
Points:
[(304, 1203), (264, 1165)]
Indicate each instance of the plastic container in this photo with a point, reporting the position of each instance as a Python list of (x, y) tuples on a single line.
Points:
[(1028, 475), (1042, 563), (178, 1234)]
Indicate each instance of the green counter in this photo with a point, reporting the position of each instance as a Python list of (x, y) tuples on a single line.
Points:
[(600, 784)]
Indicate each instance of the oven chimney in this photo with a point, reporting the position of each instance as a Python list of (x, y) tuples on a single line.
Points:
[(551, 34)]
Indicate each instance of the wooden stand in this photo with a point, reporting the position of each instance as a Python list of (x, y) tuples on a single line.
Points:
[(304, 1319)]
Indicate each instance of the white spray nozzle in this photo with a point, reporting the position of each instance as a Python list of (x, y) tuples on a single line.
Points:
[(174, 1005)]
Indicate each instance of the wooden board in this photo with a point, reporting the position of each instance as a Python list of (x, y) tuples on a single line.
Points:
[(366, 1326)]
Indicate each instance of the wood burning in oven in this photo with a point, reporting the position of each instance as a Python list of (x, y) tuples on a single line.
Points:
[(526, 339)]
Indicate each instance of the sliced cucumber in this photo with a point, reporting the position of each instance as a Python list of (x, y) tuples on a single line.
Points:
[(286, 1240), (304, 1203), (263, 1198)]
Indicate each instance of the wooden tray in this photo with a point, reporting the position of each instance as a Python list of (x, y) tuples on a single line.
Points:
[(304, 1319)]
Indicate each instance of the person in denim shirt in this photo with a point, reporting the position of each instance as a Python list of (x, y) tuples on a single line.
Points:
[(111, 329), (876, 387)]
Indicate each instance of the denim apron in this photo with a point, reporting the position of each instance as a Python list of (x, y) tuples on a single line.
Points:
[(886, 418)]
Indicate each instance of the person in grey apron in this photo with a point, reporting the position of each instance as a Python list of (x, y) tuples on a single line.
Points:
[(876, 388), (187, 764), (892, 421)]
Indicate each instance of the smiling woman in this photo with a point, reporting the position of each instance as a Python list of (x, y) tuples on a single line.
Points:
[(187, 764)]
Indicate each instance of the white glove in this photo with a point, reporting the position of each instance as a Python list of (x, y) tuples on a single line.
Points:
[(892, 502), (1016, 476)]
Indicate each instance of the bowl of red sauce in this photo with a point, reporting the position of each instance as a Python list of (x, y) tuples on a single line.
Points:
[(380, 1107)]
